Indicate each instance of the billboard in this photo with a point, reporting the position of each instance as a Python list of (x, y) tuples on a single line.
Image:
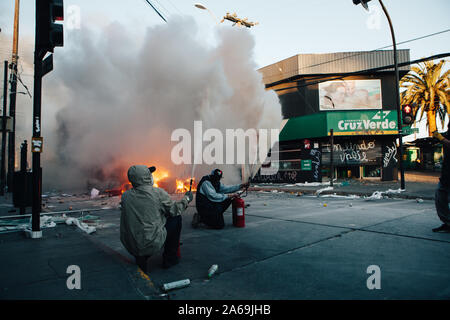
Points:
[(350, 95)]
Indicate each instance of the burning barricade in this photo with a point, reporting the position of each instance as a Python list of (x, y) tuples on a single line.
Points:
[(161, 179)]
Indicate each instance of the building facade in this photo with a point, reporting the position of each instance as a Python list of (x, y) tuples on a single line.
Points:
[(351, 94)]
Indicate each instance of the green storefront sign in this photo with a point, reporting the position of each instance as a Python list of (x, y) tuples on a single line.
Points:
[(306, 165), (363, 122), (343, 123)]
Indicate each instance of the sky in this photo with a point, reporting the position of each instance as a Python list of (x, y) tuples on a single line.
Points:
[(286, 27)]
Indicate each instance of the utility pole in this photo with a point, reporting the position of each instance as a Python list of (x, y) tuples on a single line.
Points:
[(48, 36), (12, 100), (3, 160), (397, 88), (397, 98)]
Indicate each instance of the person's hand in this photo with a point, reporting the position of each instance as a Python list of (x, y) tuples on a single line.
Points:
[(189, 196), (245, 185), (438, 136), (232, 195)]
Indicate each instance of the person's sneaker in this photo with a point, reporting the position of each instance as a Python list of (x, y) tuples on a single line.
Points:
[(195, 220), (443, 228)]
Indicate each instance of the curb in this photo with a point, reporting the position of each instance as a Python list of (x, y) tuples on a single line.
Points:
[(342, 193)]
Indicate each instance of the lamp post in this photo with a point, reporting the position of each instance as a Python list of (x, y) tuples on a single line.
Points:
[(202, 7), (397, 86)]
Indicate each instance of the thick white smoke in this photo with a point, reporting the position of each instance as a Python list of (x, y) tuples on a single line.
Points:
[(121, 99)]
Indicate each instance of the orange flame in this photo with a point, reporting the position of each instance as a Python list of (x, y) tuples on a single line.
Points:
[(160, 180), (183, 186), (159, 175)]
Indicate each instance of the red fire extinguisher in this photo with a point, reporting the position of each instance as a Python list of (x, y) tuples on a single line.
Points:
[(238, 212)]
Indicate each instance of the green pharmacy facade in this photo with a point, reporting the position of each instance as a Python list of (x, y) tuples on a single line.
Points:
[(338, 93)]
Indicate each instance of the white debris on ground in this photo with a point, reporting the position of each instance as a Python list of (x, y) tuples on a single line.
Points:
[(83, 226), (334, 195), (377, 195), (95, 200), (318, 192), (85, 223), (56, 205), (94, 193), (305, 184)]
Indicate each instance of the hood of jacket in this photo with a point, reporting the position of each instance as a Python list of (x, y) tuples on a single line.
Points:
[(140, 175)]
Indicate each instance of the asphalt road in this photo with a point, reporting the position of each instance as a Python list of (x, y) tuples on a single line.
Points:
[(293, 247), (310, 248)]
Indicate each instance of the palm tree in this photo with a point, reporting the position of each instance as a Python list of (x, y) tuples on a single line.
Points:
[(428, 92)]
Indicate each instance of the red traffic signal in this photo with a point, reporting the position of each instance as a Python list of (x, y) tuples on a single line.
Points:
[(407, 114)]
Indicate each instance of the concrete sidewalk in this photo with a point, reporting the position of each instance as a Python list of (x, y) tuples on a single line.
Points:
[(36, 268)]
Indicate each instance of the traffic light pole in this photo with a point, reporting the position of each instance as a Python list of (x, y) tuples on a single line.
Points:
[(397, 99), (36, 157), (48, 36)]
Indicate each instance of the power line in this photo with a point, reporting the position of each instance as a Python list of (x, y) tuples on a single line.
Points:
[(348, 74), (381, 48), (167, 12), (179, 11), (156, 10), (385, 47)]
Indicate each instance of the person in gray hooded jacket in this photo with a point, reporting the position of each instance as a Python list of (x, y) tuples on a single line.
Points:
[(150, 219)]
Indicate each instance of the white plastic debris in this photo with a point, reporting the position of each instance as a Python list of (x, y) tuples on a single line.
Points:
[(44, 221), (212, 270), (318, 192), (419, 200), (81, 225), (395, 191), (94, 193), (377, 195), (176, 284), (334, 195)]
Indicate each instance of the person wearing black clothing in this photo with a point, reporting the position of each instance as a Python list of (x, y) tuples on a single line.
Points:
[(443, 190), (213, 199)]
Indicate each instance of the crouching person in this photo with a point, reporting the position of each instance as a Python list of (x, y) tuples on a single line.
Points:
[(213, 199), (150, 219)]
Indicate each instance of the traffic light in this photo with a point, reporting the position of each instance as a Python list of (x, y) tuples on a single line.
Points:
[(362, 2), (48, 33), (407, 114)]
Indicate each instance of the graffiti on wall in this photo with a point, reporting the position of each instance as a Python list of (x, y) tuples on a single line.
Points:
[(315, 159), (362, 152), (390, 155)]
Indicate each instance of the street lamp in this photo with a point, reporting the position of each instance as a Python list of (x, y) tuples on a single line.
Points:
[(397, 87), (202, 7)]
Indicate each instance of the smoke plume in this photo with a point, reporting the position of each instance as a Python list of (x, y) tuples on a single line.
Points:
[(120, 99)]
